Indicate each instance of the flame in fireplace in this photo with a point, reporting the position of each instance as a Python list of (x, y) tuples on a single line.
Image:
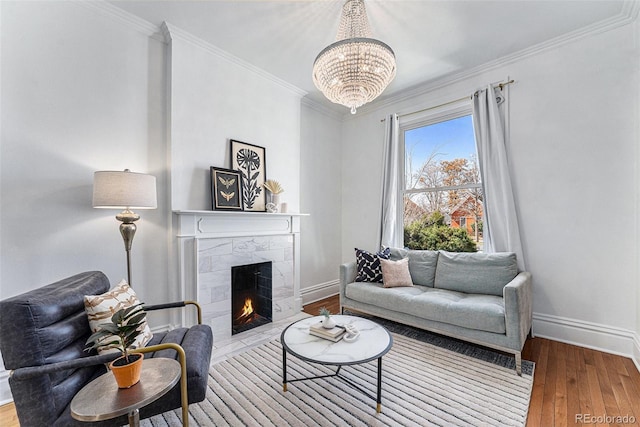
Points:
[(247, 310)]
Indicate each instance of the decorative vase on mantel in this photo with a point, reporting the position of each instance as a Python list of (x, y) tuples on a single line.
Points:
[(274, 188), (273, 204)]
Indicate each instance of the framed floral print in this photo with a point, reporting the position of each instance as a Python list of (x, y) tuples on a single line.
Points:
[(226, 189), (249, 160)]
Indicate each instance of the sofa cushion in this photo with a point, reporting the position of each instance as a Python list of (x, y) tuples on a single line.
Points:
[(472, 311), (422, 264), (368, 265), (395, 273), (475, 273)]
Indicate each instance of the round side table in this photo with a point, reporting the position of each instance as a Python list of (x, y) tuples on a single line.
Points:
[(101, 399)]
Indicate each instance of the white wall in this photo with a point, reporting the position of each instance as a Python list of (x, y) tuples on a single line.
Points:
[(84, 95), (215, 98), (80, 92), (320, 196), (573, 147), (362, 148), (574, 140)]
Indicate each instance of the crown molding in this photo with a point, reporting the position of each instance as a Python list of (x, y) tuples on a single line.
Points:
[(171, 32), (167, 32), (628, 14), (127, 19), (631, 8), (322, 109)]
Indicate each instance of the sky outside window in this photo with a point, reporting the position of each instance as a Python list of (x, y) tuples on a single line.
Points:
[(451, 139)]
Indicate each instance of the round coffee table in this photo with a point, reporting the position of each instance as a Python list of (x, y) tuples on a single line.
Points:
[(373, 342)]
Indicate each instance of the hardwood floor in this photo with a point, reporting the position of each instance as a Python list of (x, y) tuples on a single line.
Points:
[(569, 382), (331, 303), (575, 386), (8, 416)]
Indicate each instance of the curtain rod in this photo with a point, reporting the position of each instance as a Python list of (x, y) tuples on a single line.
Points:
[(501, 85)]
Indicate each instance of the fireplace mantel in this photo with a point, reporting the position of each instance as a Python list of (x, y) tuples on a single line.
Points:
[(222, 223), (210, 242)]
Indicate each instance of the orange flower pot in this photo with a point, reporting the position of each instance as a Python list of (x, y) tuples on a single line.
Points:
[(127, 375)]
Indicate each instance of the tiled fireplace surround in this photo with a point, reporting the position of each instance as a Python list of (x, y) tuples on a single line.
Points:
[(210, 243)]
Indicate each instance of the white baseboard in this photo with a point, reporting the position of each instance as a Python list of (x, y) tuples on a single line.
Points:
[(320, 291), (636, 350), (595, 336)]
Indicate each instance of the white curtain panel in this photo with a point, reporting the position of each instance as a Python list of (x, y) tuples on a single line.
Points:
[(391, 234), (501, 231)]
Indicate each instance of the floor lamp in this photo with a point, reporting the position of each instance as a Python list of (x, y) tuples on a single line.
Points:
[(125, 190)]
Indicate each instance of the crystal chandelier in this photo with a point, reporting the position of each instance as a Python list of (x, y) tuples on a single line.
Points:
[(356, 68)]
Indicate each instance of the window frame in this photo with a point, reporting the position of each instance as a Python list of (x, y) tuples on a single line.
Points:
[(425, 118)]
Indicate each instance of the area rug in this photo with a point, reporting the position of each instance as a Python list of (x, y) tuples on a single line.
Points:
[(423, 385)]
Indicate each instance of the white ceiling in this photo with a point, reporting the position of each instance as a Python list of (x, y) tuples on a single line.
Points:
[(431, 39)]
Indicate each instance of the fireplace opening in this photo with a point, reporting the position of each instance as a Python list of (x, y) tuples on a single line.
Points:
[(250, 296)]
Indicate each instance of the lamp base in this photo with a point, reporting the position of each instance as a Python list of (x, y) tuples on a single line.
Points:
[(127, 216), (127, 228), (128, 231)]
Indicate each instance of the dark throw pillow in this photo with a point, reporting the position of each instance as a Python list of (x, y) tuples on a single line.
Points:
[(368, 267)]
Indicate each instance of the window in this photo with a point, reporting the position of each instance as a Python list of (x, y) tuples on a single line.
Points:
[(442, 195)]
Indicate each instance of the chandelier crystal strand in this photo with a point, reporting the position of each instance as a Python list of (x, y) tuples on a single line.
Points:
[(353, 22), (356, 68)]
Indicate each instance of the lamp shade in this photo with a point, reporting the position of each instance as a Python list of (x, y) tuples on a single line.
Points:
[(124, 189)]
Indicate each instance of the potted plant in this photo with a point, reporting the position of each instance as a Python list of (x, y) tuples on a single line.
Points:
[(120, 334), (327, 322)]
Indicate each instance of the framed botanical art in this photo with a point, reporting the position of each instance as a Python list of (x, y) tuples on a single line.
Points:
[(249, 160), (226, 189)]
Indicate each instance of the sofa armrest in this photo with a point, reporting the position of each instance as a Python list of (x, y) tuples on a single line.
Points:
[(347, 275), (518, 307)]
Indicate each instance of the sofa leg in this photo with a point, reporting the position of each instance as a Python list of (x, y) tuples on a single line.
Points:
[(519, 363)]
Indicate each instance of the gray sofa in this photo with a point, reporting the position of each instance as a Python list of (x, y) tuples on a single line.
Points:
[(477, 297)]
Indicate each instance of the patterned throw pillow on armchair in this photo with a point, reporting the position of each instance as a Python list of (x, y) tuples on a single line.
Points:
[(100, 308)]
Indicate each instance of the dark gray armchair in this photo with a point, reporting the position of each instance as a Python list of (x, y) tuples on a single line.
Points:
[(42, 340)]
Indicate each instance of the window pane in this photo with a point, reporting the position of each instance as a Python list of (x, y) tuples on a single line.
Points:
[(443, 196), (465, 215), (434, 153)]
